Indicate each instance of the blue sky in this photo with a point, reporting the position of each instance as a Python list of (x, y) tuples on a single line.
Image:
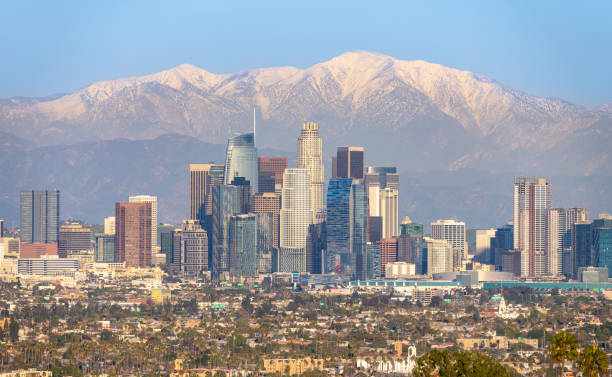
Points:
[(546, 48)]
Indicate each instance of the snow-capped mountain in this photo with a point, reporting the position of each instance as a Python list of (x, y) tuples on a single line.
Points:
[(411, 113)]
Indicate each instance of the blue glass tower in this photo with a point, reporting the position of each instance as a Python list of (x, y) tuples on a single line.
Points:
[(241, 160), (243, 245), (338, 224), (503, 240), (359, 219), (602, 243), (227, 201), (582, 241)]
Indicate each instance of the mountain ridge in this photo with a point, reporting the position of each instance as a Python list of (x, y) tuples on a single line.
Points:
[(470, 119)]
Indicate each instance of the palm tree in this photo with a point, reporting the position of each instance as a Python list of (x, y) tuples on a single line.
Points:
[(593, 361), (563, 346)]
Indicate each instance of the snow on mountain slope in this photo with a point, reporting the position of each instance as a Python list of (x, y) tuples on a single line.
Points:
[(468, 117)]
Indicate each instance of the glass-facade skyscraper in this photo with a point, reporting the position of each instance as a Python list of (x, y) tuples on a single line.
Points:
[(338, 221), (227, 203), (602, 243), (347, 205), (243, 245), (358, 228), (241, 160), (39, 210)]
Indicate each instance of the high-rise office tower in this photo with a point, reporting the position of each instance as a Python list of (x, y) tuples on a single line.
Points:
[(1, 228), (241, 160), (602, 242), (409, 227), (310, 156), (347, 209), (388, 253), (315, 247), (373, 260), (358, 228), (271, 171), (531, 203), (133, 222), (375, 228), (451, 231), (201, 180), (172, 244), (153, 201), (387, 176), (73, 238), (269, 202), (227, 203), (372, 184), (559, 224), (439, 255), (479, 244), (245, 190), (265, 231), (501, 243), (243, 245), (296, 213), (194, 248), (417, 256), (39, 216), (105, 248), (338, 224), (389, 211), (109, 225), (217, 177), (349, 163)]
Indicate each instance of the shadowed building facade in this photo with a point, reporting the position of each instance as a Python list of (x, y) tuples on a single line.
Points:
[(271, 171)]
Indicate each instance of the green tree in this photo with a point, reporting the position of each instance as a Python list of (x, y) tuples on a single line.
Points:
[(563, 346), (449, 363), (14, 330), (593, 361)]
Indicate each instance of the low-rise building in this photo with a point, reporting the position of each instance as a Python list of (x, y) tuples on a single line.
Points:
[(292, 366)]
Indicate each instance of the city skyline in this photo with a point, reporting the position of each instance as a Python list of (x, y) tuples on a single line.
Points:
[(305, 189)]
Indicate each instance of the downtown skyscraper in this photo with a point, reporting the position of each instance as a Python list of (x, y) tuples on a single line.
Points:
[(133, 234), (39, 211), (531, 204), (310, 156), (295, 218), (153, 201), (202, 178), (271, 170), (348, 162), (559, 225), (241, 160)]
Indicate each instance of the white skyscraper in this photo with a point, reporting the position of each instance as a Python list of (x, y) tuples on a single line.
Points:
[(439, 255), (310, 156), (109, 225), (531, 204), (389, 211), (452, 231), (295, 215), (559, 223), (153, 201)]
